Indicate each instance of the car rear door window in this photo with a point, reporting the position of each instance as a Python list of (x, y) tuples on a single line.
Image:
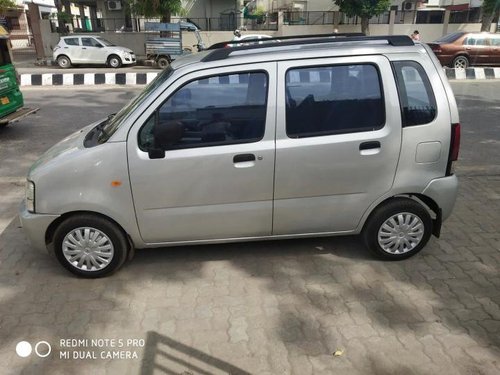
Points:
[(71, 41), (334, 99), (475, 41), (212, 111), (418, 104)]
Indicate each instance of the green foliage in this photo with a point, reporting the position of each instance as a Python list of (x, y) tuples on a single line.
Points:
[(491, 6), (363, 8), (156, 8), (62, 16), (6, 4)]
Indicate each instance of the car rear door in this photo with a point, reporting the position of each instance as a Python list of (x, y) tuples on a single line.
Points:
[(201, 157), (338, 142), (478, 49)]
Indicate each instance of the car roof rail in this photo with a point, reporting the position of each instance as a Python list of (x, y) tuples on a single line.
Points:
[(221, 51)]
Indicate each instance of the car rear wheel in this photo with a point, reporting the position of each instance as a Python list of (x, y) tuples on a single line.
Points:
[(90, 246), (399, 229), (461, 62), (114, 61), (64, 62), (163, 62)]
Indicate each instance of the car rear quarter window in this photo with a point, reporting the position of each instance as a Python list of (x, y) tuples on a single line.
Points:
[(71, 41), (418, 104), (334, 99)]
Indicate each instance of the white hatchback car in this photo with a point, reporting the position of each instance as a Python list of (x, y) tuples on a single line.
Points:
[(90, 49)]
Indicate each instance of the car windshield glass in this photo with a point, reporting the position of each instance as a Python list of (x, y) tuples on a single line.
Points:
[(107, 43), (114, 122), (449, 38)]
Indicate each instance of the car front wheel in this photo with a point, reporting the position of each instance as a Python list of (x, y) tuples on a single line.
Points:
[(398, 229), (90, 246), (114, 61)]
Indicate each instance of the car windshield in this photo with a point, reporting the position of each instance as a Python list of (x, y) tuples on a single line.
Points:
[(107, 43), (450, 38), (114, 122)]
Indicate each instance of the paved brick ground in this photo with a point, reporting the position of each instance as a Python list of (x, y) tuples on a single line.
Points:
[(272, 308), (267, 308)]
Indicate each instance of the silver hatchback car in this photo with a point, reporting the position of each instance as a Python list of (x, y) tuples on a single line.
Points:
[(303, 137), (90, 49)]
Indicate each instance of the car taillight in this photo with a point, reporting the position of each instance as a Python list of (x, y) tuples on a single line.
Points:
[(454, 147)]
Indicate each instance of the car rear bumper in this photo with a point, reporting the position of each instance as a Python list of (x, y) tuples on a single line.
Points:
[(444, 192)]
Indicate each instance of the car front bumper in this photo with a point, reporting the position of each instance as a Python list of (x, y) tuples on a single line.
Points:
[(35, 226)]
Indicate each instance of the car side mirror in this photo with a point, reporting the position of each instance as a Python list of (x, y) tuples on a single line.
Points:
[(156, 153)]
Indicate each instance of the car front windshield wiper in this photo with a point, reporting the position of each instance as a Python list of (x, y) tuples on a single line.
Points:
[(104, 135)]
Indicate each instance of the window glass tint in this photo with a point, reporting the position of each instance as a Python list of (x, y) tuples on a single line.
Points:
[(475, 41), (495, 41), (415, 92), (90, 42), (213, 111), (449, 38), (333, 100), (71, 41)]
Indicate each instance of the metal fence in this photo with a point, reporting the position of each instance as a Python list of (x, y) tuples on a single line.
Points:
[(382, 19), (228, 22), (308, 18)]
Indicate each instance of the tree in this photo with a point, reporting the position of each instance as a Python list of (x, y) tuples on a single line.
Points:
[(365, 9), (6, 4), (156, 8), (491, 10)]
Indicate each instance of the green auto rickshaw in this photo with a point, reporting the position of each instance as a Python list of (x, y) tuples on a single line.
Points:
[(11, 99)]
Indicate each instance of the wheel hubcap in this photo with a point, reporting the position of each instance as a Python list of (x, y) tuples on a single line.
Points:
[(88, 249), (460, 64), (401, 233)]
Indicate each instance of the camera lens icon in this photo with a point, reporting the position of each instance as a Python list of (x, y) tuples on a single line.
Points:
[(42, 349)]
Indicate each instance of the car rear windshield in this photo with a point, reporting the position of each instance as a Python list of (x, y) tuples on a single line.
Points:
[(450, 38)]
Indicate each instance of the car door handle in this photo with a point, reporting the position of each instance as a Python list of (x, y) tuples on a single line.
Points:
[(369, 148), (241, 158), (84, 48), (369, 145)]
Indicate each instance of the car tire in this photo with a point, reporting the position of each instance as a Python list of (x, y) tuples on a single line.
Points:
[(114, 61), (163, 62), (90, 246), (460, 62), (64, 62), (398, 229)]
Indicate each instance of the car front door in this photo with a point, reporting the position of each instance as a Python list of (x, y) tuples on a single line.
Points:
[(201, 157), (338, 142), (93, 51), (495, 50)]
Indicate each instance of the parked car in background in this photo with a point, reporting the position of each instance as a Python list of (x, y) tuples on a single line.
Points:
[(462, 49), (89, 49), (252, 37)]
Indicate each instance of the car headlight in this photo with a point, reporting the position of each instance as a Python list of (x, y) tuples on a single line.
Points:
[(30, 196)]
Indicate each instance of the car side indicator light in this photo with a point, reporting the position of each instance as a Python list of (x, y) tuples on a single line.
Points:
[(116, 183)]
